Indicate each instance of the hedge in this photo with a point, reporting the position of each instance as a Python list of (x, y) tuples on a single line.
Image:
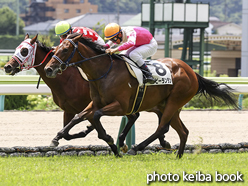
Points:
[(19, 102), (11, 42)]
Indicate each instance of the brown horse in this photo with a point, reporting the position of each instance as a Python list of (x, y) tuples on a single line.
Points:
[(70, 91), (113, 90), (71, 80)]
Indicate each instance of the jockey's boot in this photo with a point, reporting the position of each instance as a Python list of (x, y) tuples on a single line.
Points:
[(148, 75)]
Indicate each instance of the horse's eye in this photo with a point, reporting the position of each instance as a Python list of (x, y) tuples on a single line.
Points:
[(24, 52)]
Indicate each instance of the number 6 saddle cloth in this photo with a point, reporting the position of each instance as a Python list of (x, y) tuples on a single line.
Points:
[(159, 71)]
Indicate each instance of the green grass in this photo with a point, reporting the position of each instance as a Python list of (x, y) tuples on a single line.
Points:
[(108, 170)]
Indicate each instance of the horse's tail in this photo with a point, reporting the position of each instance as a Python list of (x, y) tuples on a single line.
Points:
[(211, 89)]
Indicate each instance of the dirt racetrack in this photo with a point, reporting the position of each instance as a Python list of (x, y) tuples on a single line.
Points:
[(38, 128)]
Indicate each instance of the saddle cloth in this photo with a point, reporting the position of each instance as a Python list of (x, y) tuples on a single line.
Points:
[(159, 71)]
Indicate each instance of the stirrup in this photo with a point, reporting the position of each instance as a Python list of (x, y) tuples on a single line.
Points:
[(150, 80)]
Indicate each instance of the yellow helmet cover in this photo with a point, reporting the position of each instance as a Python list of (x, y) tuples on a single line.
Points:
[(62, 28)]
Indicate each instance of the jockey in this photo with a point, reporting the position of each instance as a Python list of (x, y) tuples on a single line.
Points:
[(63, 28), (135, 42)]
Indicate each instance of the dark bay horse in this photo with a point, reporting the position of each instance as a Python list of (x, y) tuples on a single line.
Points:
[(113, 90), (70, 91), (68, 101)]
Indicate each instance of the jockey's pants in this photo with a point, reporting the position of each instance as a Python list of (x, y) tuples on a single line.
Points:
[(138, 54)]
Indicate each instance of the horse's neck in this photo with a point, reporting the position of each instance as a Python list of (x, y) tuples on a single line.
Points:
[(94, 68), (51, 82), (39, 57)]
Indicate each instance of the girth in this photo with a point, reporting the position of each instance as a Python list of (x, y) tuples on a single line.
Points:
[(138, 99)]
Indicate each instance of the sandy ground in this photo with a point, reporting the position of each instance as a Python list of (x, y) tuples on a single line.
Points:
[(39, 128)]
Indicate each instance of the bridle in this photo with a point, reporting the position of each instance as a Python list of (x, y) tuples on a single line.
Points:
[(64, 65)]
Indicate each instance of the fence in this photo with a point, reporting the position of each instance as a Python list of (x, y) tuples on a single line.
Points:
[(26, 85), (21, 85), (7, 52)]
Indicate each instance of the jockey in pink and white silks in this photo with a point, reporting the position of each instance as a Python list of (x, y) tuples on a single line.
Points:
[(135, 42)]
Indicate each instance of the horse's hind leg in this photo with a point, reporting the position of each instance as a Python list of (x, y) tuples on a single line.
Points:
[(170, 109), (162, 141), (177, 124), (182, 131), (131, 119)]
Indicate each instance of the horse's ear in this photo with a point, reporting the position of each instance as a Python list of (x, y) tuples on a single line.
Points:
[(34, 39), (76, 39), (27, 36)]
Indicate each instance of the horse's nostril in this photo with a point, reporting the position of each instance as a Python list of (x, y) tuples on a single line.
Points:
[(49, 69), (7, 66)]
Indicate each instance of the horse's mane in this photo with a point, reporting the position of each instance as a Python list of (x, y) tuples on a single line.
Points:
[(89, 43), (45, 48)]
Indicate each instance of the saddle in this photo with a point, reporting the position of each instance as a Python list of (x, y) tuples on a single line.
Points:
[(159, 71)]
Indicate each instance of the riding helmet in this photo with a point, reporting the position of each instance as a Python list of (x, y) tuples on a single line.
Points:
[(111, 30), (62, 28)]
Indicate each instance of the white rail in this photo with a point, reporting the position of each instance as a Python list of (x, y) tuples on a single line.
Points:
[(24, 89), (239, 88), (29, 89)]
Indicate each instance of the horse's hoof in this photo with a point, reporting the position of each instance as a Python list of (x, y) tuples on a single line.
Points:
[(54, 143), (167, 145), (124, 149), (118, 156), (179, 156), (131, 152)]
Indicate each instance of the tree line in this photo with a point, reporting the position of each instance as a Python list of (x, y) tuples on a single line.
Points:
[(225, 10)]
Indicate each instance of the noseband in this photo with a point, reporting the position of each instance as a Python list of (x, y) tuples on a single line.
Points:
[(64, 65)]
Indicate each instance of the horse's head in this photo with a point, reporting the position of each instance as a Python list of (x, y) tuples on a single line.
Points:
[(63, 55), (23, 57)]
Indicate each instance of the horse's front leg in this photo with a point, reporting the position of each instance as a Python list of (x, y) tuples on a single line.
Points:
[(81, 134), (131, 120), (113, 109), (67, 118), (64, 133)]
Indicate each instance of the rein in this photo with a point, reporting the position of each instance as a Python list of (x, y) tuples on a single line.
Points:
[(43, 59), (67, 64)]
